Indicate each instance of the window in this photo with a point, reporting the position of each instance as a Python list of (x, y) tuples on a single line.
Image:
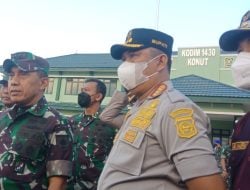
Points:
[(74, 85), (221, 134), (49, 89), (111, 86)]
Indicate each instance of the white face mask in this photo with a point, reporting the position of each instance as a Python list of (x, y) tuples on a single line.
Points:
[(131, 74), (241, 70)]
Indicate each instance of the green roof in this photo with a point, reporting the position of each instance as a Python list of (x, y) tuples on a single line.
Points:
[(84, 61), (192, 85)]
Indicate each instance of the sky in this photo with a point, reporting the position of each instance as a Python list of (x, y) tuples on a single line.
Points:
[(51, 28)]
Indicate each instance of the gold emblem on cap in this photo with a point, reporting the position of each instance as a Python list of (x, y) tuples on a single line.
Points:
[(129, 38), (246, 17), (245, 25), (245, 21), (184, 122)]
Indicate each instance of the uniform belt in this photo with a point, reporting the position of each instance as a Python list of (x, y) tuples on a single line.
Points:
[(241, 145)]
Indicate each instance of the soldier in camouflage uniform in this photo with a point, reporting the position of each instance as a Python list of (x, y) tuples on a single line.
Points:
[(93, 139), (36, 141), (5, 97), (217, 152)]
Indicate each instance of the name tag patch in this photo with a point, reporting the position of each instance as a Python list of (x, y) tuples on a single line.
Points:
[(133, 137)]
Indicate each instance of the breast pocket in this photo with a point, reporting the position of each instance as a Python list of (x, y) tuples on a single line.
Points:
[(129, 151), (30, 142)]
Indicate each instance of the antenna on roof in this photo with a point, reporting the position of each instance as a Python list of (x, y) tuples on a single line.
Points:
[(157, 13)]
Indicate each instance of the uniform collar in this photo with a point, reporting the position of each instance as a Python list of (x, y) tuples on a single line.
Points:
[(161, 88), (93, 115), (169, 84), (38, 109)]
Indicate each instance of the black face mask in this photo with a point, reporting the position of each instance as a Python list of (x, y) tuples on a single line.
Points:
[(84, 100)]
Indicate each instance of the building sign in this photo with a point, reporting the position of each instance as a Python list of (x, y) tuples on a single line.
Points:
[(200, 61), (198, 56)]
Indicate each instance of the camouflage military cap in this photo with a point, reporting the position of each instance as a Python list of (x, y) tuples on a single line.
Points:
[(26, 61)]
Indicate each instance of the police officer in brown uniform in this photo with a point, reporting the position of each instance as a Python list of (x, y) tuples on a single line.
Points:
[(239, 40), (163, 142)]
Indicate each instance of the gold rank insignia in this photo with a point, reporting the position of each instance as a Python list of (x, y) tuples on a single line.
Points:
[(184, 122), (159, 90), (144, 116), (147, 113), (130, 136), (140, 122)]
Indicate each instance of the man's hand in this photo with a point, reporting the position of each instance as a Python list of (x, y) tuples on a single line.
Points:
[(131, 97), (57, 183), (224, 174), (210, 182)]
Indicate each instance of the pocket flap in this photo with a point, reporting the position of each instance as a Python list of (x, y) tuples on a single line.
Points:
[(128, 152)]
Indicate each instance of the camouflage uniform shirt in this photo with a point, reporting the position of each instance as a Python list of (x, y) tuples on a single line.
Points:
[(93, 142), (225, 154), (36, 143), (217, 152)]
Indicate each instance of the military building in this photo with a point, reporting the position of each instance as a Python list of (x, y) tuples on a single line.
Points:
[(201, 73)]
